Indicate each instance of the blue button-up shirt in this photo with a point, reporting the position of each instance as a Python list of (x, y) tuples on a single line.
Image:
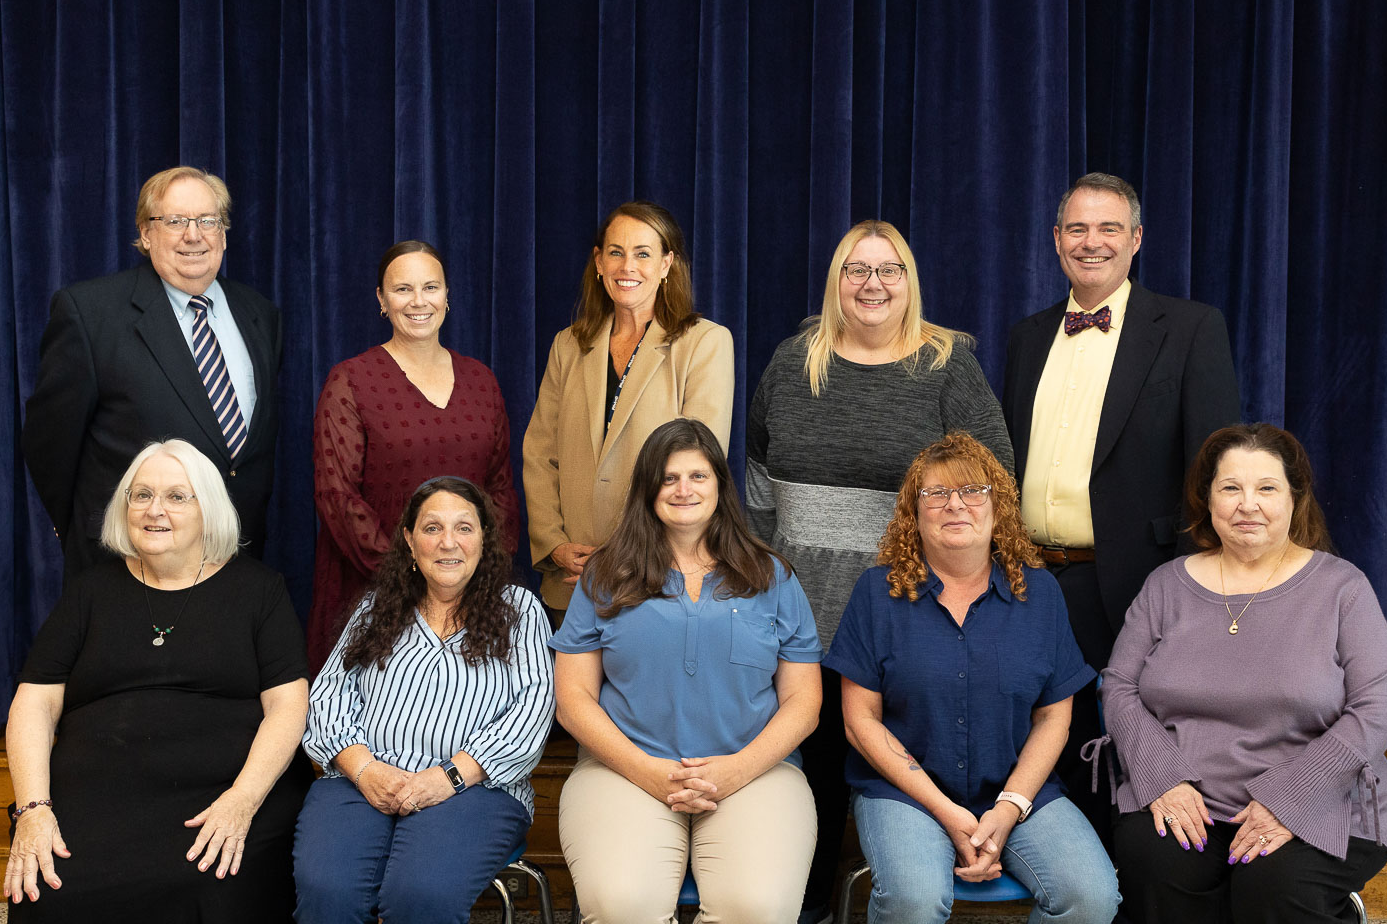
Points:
[(685, 678), (959, 697)]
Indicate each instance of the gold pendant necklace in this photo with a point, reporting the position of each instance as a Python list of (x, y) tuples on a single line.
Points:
[(1233, 629)]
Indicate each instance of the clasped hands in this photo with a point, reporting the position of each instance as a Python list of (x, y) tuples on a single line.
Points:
[(394, 791), (696, 784), (978, 841), (1181, 809)]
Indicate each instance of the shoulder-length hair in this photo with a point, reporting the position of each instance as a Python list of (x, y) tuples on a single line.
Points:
[(398, 588), (631, 566), (221, 525), (156, 186), (1308, 527), (822, 338), (674, 306), (960, 460)]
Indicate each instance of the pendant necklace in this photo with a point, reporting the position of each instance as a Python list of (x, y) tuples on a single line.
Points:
[(1233, 629), (158, 640)]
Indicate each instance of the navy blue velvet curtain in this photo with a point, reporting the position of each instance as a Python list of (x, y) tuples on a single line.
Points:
[(502, 132)]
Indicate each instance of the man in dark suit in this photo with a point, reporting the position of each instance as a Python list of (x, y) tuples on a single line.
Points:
[(117, 369), (1108, 396)]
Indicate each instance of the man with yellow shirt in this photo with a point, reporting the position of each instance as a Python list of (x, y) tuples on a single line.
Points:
[(1108, 396)]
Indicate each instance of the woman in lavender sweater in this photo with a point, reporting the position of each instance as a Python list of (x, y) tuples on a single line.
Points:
[(1247, 699)]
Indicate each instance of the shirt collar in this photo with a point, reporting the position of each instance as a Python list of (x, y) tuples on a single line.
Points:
[(1116, 303), (997, 581), (179, 299)]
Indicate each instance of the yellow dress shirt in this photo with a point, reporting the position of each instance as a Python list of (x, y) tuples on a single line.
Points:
[(1064, 429)]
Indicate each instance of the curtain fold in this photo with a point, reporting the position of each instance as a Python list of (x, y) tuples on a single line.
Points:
[(503, 133)]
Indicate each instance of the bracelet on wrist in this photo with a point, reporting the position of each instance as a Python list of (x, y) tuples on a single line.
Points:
[(356, 780), (14, 816)]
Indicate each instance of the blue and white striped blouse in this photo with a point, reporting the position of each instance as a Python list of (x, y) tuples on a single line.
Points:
[(428, 703)]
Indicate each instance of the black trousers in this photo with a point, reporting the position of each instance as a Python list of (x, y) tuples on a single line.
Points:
[(1093, 631), (824, 753), (1162, 883)]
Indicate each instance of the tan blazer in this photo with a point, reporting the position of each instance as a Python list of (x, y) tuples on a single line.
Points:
[(575, 478)]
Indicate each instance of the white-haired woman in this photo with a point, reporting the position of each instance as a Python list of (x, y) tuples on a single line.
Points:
[(840, 413), (155, 718)]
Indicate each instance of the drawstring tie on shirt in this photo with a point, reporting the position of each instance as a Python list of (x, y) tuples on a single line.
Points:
[(1092, 752)]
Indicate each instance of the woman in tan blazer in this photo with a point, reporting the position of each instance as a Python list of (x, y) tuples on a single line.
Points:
[(637, 356)]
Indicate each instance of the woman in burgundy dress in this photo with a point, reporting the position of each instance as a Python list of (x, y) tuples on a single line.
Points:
[(402, 412)]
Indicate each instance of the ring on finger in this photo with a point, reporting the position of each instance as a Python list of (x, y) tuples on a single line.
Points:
[(414, 805), (1262, 840), (1169, 819)]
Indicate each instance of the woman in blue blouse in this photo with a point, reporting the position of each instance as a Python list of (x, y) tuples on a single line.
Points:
[(688, 672), (958, 668), (427, 719)]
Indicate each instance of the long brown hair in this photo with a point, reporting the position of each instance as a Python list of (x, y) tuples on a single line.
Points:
[(631, 566), (1308, 527), (397, 588), (966, 461), (674, 308)]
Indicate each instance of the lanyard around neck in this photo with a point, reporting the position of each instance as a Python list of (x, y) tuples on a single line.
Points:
[(625, 372)]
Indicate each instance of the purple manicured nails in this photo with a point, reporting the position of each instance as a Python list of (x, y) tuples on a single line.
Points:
[(1185, 845), (1262, 854), (1205, 842), (1232, 859), (1161, 833), (1199, 847), (1247, 859)]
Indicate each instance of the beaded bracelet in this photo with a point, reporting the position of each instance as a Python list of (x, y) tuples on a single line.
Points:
[(356, 780), (14, 816)]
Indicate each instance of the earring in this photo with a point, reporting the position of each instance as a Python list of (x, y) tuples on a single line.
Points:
[(382, 311), (414, 566), (664, 280)]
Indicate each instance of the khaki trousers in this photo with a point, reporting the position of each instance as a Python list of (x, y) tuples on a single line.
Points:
[(628, 852)]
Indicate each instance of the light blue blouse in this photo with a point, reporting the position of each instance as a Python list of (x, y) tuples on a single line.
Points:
[(694, 679), (428, 703)]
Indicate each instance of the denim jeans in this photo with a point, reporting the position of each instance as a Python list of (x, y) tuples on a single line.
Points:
[(1054, 853), (351, 862)]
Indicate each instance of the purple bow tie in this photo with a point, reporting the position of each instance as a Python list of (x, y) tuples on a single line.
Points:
[(1075, 321)]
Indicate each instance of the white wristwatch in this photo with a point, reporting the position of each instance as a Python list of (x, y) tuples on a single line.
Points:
[(1018, 800)]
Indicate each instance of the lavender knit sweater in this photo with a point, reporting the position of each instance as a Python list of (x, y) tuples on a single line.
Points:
[(1291, 711)]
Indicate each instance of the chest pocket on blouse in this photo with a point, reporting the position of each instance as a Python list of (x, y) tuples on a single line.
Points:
[(1019, 674), (754, 642)]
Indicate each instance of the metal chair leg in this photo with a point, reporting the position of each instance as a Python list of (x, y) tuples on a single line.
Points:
[(546, 898), (507, 906), (1358, 907), (845, 892)]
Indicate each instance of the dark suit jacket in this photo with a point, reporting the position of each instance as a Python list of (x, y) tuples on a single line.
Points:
[(1172, 384), (116, 373)]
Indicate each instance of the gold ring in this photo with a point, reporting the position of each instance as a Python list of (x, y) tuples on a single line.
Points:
[(1169, 819), (1262, 839)]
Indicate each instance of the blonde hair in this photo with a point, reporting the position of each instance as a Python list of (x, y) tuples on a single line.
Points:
[(963, 458), (823, 337), (221, 525), (158, 185)]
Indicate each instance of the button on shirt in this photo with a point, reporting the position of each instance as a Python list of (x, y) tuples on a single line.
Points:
[(223, 324), (686, 678), (959, 698)]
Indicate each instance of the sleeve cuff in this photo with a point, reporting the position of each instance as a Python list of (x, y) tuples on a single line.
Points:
[(1151, 761), (1310, 793)]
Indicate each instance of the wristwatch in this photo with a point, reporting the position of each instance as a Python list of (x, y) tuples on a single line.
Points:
[(1018, 800), (455, 775)]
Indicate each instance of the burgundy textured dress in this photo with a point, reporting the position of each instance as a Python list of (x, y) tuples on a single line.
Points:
[(375, 439)]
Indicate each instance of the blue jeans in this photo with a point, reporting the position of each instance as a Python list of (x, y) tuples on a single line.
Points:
[(1054, 853), (352, 862)]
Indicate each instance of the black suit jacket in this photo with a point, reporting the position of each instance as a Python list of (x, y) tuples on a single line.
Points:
[(1172, 384), (116, 373)]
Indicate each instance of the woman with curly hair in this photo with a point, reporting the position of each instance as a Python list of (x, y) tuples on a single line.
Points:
[(688, 672), (958, 667), (427, 719)]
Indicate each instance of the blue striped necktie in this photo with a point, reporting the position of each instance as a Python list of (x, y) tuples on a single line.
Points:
[(207, 353)]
